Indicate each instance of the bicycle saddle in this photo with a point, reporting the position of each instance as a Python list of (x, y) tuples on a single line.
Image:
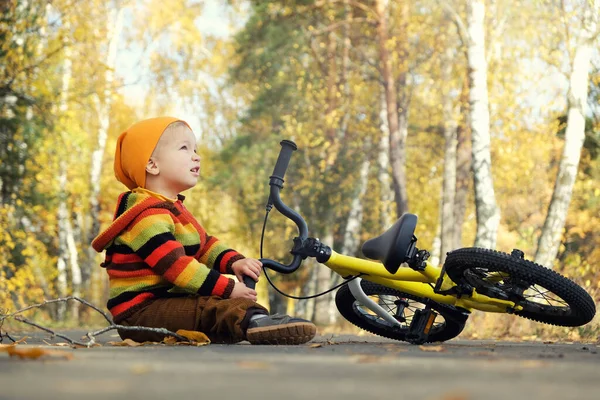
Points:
[(391, 247)]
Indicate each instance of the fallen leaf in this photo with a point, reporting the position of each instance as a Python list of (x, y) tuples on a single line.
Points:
[(254, 365), (199, 338), (125, 343), (5, 347), (140, 369), (315, 345), (436, 349), (74, 346), (393, 348), (169, 340), (37, 352), (369, 359), (196, 344)]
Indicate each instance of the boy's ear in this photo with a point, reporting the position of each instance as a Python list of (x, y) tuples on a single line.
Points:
[(152, 167)]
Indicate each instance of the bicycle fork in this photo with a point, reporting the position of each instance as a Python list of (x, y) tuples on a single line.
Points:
[(360, 295), (422, 321)]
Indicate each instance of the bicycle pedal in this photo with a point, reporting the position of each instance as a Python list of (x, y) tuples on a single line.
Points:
[(421, 324)]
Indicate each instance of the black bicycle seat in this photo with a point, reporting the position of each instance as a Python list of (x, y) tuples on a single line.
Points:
[(392, 246)]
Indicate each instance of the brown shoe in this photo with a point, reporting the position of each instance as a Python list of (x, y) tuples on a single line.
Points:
[(280, 329)]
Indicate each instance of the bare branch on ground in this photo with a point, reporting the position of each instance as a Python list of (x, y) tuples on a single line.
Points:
[(90, 335)]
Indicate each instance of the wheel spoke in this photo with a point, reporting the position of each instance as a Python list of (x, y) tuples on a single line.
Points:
[(408, 312), (502, 280), (545, 295), (538, 293)]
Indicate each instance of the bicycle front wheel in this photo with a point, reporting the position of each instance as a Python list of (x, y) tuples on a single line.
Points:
[(544, 295), (402, 307)]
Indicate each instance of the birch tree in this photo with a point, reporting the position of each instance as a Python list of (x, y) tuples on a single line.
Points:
[(551, 235), (448, 225), (463, 151), (488, 214), (397, 126), (67, 249), (351, 241), (383, 163), (463, 163), (103, 104)]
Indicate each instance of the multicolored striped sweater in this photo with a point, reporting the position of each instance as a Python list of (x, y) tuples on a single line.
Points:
[(155, 248)]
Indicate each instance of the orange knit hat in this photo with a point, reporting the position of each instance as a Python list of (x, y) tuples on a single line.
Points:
[(134, 148)]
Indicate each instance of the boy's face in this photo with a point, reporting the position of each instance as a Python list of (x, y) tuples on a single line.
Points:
[(174, 163)]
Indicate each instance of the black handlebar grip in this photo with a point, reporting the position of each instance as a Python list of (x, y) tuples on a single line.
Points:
[(249, 282), (287, 147)]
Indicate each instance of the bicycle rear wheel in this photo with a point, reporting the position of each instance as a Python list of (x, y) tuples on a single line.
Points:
[(545, 295), (448, 324)]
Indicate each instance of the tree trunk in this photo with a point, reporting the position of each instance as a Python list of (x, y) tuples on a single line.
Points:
[(463, 164), (347, 41), (331, 88), (449, 182), (397, 138), (322, 315), (552, 231), (488, 214), (306, 308), (352, 228), (402, 92), (436, 244), (351, 242), (39, 274), (75, 269), (383, 161), (277, 303), (115, 26), (63, 248), (67, 250)]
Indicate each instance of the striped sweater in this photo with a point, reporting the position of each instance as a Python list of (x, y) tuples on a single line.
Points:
[(155, 248)]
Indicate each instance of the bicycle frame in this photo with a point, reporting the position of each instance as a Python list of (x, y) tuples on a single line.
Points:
[(418, 283), (412, 281)]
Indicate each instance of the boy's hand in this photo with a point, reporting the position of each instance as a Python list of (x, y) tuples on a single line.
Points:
[(246, 266), (242, 291)]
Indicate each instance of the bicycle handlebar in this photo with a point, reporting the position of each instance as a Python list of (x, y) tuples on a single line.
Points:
[(287, 147), (276, 183)]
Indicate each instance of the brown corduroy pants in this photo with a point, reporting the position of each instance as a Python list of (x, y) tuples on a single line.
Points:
[(222, 320)]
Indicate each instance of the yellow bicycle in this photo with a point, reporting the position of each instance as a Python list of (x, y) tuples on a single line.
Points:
[(402, 297)]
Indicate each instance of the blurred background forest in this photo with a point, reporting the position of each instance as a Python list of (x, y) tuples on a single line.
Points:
[(481, 117)]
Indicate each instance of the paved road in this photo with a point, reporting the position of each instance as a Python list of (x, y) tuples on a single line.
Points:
[(342, 367)]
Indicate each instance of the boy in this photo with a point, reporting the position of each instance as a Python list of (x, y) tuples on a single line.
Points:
[(164, 270)]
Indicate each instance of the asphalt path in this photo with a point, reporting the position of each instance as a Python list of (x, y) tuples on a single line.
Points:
[(329, 367)]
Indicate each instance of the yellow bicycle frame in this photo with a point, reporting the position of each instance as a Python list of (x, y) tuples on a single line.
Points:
[(418, 283)]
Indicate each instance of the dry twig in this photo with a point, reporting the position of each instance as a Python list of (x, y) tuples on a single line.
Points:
[(90, 335)]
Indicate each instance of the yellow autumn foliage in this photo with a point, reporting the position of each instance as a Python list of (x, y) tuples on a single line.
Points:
[(243, 96)]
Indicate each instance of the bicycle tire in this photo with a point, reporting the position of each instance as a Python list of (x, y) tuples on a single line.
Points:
[(574, 306), (348, 306)]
